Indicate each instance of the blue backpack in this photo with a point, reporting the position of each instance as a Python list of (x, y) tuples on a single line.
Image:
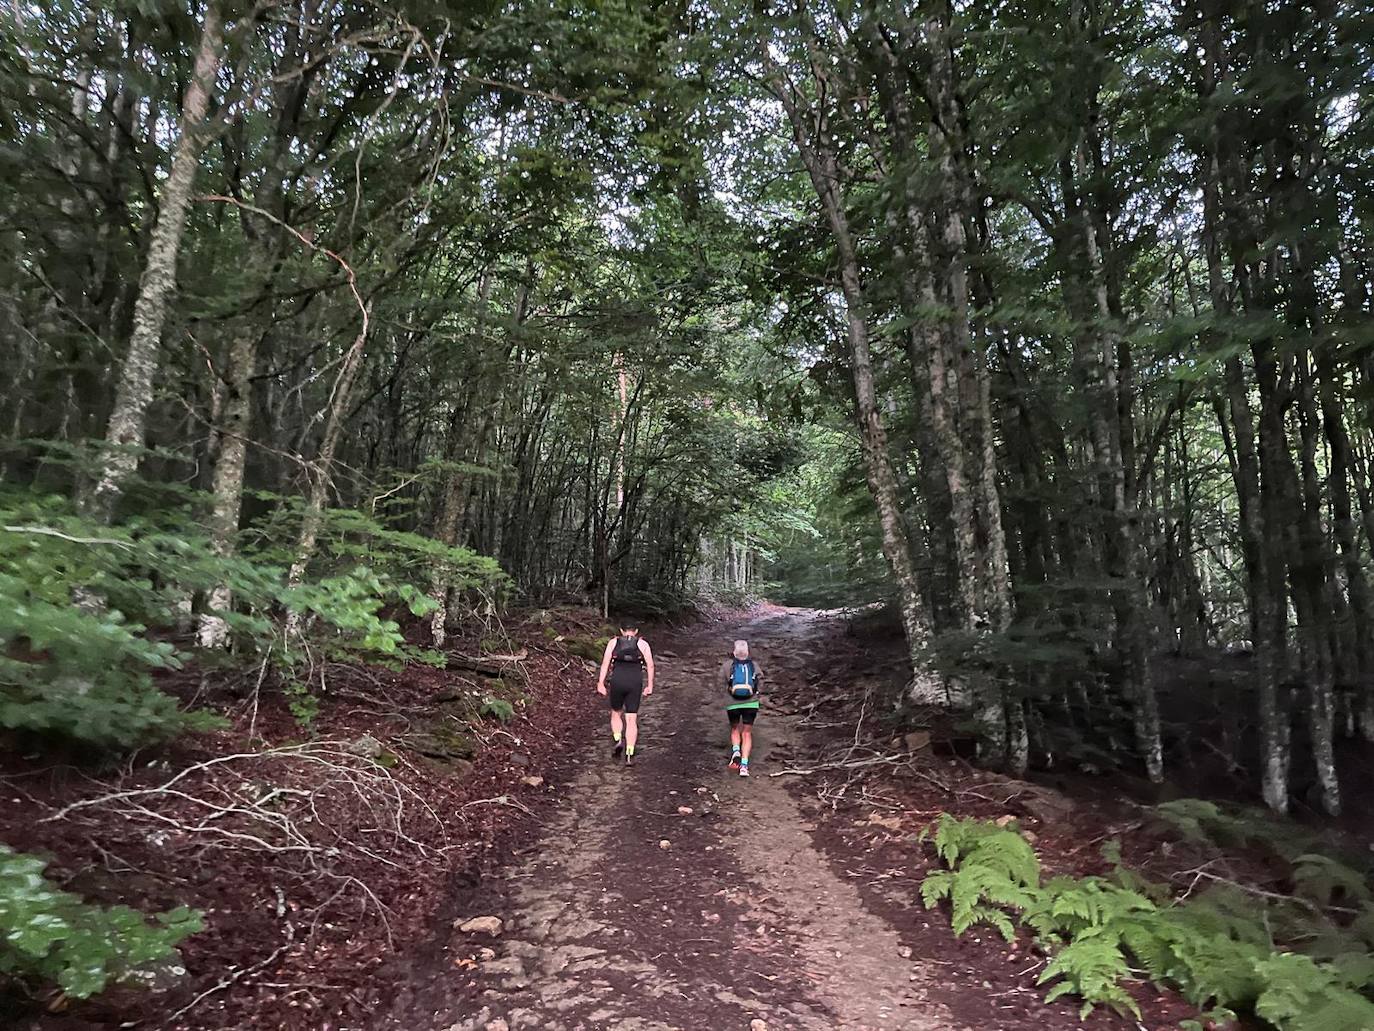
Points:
[(742, 679)]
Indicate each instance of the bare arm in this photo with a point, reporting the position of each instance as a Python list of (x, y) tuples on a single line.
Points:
[(648, 654), (605, 667)]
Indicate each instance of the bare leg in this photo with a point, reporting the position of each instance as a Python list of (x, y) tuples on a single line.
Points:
[(631, 731), (734, 737), (747, 740), (617, 724)]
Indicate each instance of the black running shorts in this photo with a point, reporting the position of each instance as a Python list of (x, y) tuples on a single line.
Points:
[(745, 716), (624, 697)]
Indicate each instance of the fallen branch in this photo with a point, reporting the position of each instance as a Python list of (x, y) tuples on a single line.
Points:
[(1273, 896), (235, 977), (492, 670), (294, 816), (498, 800), (846, 764), (48, 531)]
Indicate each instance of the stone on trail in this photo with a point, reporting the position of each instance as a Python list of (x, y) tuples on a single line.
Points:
[(159, 975), (684, 810), (532, 782), (482, 925), (497, 1025), (917, 741), (367, 746), (665, 844), (475, 1023), (757, 1025)]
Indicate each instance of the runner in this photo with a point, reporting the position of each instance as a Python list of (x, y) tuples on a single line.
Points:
[(741, 675), (628, 659)]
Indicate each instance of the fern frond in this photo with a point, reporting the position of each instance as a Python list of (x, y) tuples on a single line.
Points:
[(1300, 995), (1321, 879), (1092, 967), (936, 887), (977, 891)]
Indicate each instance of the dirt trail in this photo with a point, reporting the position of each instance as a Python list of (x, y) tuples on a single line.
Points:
[(738, 918)]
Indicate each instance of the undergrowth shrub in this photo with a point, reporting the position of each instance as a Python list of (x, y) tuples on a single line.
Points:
[(86, 671), (52, 936), (1218, 948), (73, 671), (496, 708)]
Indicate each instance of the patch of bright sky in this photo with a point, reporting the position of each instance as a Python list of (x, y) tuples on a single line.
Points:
[(1344, 112)]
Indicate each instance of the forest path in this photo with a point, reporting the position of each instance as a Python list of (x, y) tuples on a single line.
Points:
[(737, 919)]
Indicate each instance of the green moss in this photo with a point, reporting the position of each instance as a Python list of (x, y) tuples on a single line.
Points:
[(444, 741), (587, 647)]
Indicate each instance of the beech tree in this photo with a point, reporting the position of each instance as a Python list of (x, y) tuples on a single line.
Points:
[(1046, 327)]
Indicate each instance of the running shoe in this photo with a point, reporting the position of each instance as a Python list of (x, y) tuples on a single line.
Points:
[(629, 759), (744, 769), (734, 761), (616, 749)]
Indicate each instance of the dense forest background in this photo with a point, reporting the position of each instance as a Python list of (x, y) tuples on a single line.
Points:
[(1048, 326)]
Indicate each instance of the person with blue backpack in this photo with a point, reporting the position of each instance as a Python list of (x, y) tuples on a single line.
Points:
[(742, 676)]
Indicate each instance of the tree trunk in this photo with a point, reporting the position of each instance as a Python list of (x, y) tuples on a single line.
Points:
[(127, 428), (820, 160), (1095, 360), (227, 489)]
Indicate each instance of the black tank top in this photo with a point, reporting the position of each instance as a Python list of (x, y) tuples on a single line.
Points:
[(627, 661)]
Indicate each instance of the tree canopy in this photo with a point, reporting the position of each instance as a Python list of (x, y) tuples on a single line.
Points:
[(1050, 327)]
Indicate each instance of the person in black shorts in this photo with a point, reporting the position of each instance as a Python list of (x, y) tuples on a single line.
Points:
[(630, 664)]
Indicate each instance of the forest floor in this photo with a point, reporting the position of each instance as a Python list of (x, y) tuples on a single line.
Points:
[(677, 895), (673, 894)]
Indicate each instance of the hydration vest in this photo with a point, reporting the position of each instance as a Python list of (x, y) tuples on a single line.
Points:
[(627, 651), (742, 679)]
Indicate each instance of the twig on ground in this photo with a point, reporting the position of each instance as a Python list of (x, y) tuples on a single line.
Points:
[(257, 692), (236, 976), (498, 800), (844, 764), (859, 724), (196, 804), (1274, 896)]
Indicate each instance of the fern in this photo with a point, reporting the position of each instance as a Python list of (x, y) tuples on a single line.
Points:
[(1216, 948), (1205, 966), (992, 870), (1091, 966), (1354, 970), (1301, 995), (1224, 911), (1322, 880), (1195, 819), (1066, 907), (974, 894), (985, 844)]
